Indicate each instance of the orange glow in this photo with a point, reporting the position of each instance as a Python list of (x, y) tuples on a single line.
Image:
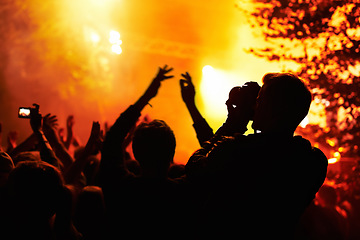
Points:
[(116, 49), (332, 160), (207, 70), (214, 91), (95, 37), (331, 142), (336, 157), (114, 39), (75, 44), (304, 122), (214, 88)]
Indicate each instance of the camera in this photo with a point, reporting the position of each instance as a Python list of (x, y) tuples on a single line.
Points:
[(243, 96), (24, 112), (246, 93)]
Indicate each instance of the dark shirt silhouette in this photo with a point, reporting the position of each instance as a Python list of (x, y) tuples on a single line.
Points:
[(259, 185), (150, 205)]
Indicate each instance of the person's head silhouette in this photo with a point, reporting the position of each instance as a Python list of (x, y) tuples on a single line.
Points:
[(283, 102), (35, 187), (154, 147)]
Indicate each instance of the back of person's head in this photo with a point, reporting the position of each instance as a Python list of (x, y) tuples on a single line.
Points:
[(283, 102), (35, 188), (176, 171), (154, 145), (27, 156), (90, 212)]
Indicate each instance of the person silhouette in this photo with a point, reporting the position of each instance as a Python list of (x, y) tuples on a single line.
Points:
[(150, 204), (258, 185)]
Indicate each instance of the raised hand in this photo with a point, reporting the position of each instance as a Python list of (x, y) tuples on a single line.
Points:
[(94, 143), (187, 89), (50, 124), (155, 84), (70, 122), (50, 121), (35, 119), (161, 73)]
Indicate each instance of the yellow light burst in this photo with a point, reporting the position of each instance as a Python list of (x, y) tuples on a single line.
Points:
[(114, 39)]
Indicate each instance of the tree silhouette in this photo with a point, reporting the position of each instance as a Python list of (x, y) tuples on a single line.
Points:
[(322, 37)]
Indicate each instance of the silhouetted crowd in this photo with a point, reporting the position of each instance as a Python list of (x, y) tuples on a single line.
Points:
[(258, 186)]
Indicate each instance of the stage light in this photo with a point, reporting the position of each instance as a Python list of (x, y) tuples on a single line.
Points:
[(94, 37), (214, 88), (207, 70), (332, 160), (304, 122), (114, 37), (336, 157), (116, 49)]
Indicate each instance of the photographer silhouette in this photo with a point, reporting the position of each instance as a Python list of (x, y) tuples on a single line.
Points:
[(258, 185)]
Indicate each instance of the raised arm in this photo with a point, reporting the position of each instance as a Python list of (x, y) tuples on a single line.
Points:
[(46, 152), (71, 139), (50, 123), (209, 159), (203, 131), (152, 90), (112, 162), (91, 147), (27, 145)]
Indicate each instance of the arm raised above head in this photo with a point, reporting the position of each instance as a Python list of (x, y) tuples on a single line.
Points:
[(112, 162), (203, 131)]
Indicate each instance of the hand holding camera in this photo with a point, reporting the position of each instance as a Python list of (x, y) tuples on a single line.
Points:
[(34, 115), (24, 112), (35, 119), (241, 106), (242, 100)]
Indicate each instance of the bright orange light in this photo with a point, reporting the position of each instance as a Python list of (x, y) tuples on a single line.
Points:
[(94, 37), (332, 160), (336, 157), (116, 49), (91, 35), (214, 89), (330, 142), (114, 39), (304, 122), (208, 70)]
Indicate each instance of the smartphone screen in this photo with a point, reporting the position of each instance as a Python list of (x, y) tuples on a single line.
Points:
[(24, 112)]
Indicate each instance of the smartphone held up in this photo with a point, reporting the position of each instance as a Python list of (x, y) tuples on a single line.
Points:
[(24, 112)]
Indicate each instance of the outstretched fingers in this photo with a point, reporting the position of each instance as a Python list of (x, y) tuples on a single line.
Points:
[(162, 73)]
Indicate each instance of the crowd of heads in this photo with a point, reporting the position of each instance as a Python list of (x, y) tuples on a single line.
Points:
[(48, 193)]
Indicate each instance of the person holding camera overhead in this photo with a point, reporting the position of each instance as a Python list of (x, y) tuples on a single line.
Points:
[(257, 186)]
